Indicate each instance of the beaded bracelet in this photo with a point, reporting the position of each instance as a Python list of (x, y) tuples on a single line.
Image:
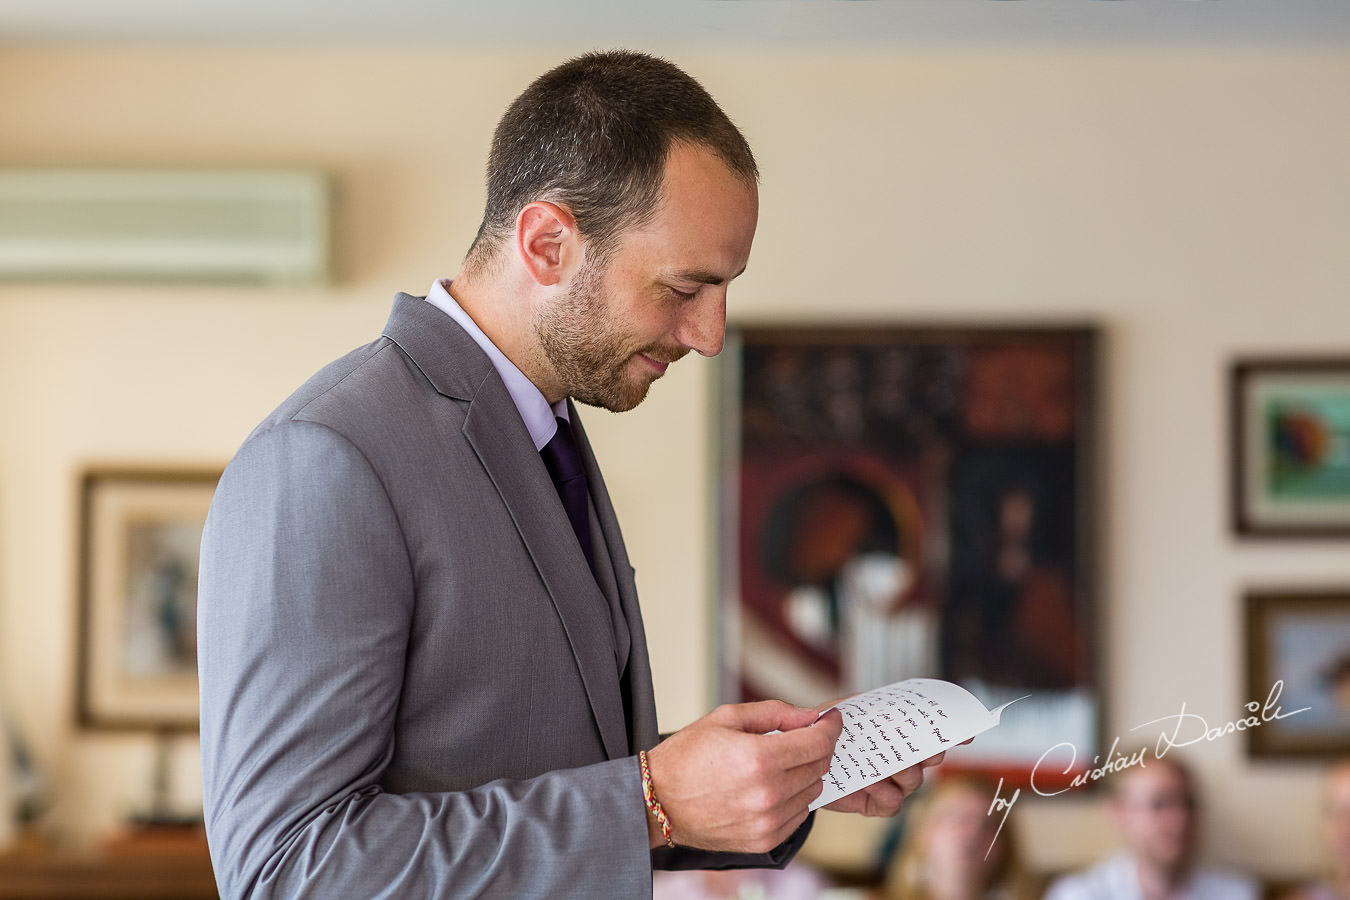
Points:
[(649, 796)]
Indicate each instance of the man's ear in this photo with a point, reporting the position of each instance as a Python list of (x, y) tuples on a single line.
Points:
[(547, 241)]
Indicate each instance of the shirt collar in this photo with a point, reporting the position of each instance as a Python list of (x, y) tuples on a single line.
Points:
[(540, 418)]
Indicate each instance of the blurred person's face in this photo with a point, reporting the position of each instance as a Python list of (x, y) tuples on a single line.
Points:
[(959, 835), (1156, 813), (1337, 822)]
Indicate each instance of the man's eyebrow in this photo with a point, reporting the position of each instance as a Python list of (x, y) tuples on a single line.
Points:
[(705, 277)]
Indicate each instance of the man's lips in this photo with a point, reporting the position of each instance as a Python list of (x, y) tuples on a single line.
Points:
[(656, 364), (662, 362)]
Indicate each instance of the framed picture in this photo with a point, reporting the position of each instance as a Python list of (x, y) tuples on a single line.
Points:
[(901, 502), (140, 534), (1298, 670), (1291, 447)]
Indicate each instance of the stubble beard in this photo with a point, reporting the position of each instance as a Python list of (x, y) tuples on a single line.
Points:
[(587, 348)]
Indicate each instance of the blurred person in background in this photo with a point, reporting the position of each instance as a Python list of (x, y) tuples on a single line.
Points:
[(1156, 810), (952, 848), (1334, 883), (797, 881)]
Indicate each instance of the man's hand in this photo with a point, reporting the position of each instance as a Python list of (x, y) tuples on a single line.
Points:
[(728, 785)]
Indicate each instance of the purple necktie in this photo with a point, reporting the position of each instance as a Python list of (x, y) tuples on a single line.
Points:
[(564, 464)]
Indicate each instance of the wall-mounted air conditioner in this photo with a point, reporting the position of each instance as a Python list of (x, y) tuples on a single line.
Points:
[(135, 225)]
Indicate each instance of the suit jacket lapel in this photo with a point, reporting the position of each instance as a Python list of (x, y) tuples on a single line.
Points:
[(458, 368)]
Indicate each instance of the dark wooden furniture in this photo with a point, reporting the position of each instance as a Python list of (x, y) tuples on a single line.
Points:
[(145, 864)]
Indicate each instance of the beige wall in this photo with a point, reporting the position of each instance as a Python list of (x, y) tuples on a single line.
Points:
[(1195, 204)]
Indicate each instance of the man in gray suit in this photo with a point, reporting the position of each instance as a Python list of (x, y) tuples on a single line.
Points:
[(423, 667)]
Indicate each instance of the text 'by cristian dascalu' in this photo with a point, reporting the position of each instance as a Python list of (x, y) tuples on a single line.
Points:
[(1181, 729)]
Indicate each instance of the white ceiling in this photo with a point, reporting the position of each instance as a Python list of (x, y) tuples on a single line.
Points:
[(646, 22)]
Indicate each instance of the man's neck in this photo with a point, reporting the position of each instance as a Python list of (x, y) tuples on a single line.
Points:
[(1160, 881), (503, 314), (958, 884), (489, 312)]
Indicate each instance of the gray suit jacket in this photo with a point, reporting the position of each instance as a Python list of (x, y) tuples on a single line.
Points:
[(412, 685)]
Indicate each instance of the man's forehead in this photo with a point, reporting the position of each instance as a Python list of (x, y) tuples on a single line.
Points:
[(1154, 780)]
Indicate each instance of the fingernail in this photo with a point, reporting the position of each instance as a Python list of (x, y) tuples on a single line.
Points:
[(825, 713)]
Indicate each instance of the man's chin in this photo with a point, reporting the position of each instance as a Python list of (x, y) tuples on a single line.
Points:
[(617, 401), (1172, 858)]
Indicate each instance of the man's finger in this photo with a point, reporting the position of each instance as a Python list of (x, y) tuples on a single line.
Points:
[(763, 716), (886, 798), (808, 749), (807, 795), (909, 780)]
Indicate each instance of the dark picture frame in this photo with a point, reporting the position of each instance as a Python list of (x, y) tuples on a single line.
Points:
[(1298, 672), (139, 543), (915, 501), (1290, 467)]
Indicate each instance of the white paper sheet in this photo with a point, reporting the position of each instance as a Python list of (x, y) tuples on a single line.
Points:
[(898, 726)]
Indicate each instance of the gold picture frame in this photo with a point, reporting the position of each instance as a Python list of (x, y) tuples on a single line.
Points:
[(140, 538), (1298, 672)]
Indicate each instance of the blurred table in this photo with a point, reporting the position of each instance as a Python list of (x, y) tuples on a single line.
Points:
[(148, 863)]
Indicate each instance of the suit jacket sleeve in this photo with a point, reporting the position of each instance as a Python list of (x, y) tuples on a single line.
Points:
[(305, 609)]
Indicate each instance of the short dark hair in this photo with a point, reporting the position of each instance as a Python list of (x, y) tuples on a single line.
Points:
[(593, 135)]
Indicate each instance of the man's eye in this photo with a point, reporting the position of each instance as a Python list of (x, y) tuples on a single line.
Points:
[(684, 295)]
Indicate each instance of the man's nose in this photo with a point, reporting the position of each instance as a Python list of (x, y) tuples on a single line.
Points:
[(704, 327)]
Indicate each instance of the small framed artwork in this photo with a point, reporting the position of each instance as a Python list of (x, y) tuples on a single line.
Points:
[(140, 534), (1298, 672), (1291, 447), (915, 501)]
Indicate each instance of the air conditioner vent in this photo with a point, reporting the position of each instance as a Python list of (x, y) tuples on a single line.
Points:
[(131, 225)]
